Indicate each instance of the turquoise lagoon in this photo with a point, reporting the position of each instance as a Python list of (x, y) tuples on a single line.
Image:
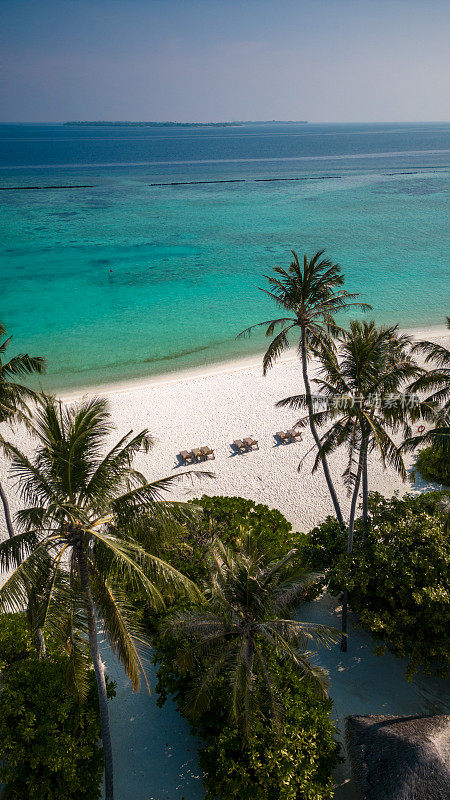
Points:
[(187, 259)]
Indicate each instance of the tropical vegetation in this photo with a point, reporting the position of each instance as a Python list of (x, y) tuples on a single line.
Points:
[(66, 553), (310, 296), (398, 575), (215, 583), (239, 668), (246, 620), (49, 740), (359, 386), (295, 762), (14, 398), (433, 463)]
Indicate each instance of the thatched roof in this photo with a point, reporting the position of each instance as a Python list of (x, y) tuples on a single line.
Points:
[(400, 758)]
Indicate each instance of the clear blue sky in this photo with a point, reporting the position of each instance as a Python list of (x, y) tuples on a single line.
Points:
[(320, 60)]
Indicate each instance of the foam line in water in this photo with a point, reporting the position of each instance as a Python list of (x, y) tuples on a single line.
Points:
[(190, 183)]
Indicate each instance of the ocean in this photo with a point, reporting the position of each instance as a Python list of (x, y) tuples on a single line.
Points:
[(190, 220)]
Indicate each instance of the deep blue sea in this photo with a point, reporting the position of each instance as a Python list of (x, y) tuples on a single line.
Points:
[(187, 259)]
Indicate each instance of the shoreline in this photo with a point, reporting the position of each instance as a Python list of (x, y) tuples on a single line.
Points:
[(215, 406), (225, 367)]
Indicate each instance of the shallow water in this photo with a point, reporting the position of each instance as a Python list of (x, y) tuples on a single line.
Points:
[(187, 259), (155, 754)]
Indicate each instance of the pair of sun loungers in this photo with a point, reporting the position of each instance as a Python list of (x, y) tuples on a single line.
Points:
[(288, 436), (243, 445), (197, 454)]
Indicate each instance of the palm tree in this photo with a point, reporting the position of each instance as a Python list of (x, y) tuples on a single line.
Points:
[(360, 388), (14, 398), (309, 294), (73, 493), (246, 625)]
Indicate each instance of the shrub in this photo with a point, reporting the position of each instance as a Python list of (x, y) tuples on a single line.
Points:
[(324, 545), (15, 640), (434, 465), (229, 518), (49, 743), (295, 763), (398, 577)]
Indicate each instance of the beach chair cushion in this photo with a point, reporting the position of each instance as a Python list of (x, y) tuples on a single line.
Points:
[(207, 451)]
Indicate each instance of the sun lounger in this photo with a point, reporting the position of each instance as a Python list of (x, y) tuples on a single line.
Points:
[(207, 452), (239, 445), (251, 443), (187, 457), (243, 446), (197, 453), (294, 434), (282, 436)]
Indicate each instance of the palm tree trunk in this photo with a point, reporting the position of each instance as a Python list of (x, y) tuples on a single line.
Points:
[(32, 617), (8, 519), (316, 437), (41, 647), (99, 674), (351, 528), (365, 491)]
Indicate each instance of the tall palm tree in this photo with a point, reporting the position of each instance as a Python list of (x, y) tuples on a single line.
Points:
[(309, 292), (360, 388), (73, 492), (246, 624), (14, 397)]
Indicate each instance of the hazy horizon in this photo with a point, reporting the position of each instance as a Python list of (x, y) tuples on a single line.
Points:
[(210, 60), (237, 121)]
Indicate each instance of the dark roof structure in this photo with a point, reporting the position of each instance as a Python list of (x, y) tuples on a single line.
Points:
[(400, 758)]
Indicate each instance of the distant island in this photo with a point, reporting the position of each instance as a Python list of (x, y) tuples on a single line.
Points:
[(103, 123)]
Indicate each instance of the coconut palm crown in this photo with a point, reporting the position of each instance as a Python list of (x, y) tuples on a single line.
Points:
[(310, 295), (246, 621), (74, 489)]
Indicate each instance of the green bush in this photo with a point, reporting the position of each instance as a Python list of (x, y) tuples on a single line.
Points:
[(49, 743), (398, 576), (324, 545), (15, 640), (434, 465), (229, 518), (295, 763)]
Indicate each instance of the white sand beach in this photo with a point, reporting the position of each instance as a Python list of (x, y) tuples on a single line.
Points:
[(230, 401), (213, 407)]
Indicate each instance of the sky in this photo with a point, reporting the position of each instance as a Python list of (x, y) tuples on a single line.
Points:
[(218, 60)]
